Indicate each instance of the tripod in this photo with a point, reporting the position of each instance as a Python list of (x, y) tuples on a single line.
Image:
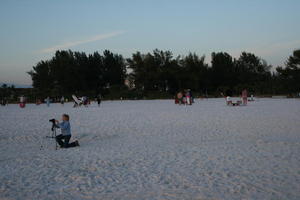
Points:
[(53, 133)]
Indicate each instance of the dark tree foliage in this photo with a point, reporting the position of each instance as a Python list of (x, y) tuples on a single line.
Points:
[(75, 72), (223, 74), (288, 78), (159, 72), (253, 73)]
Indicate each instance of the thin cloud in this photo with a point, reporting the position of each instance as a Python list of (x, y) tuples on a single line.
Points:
[(79, 42), (276, 53), (269, 50), (278, 47)]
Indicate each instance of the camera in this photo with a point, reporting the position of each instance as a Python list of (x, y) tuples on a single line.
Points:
[(53, 124)]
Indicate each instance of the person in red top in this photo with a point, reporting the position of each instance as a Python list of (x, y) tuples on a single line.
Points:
[(244, 97)]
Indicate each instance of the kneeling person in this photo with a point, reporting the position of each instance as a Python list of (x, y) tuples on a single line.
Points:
[(65, 136)]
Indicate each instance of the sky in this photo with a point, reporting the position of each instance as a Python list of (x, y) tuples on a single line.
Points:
[(32, 30)]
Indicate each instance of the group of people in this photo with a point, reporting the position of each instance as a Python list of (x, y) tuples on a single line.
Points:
[(243, 101), (84, 100), (48, 101), (3, 102), (184, 97)]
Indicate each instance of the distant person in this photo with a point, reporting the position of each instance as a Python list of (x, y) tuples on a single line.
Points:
[(47, 100), (188, 98), (84, 100), (38, 102), (206, 94), (180, 98), (22, 102), (3, 102), (65, 136), (99, 99), (184, 98), (244, 97), (228, 100), (192, 97), (62, 100), (176, 99)]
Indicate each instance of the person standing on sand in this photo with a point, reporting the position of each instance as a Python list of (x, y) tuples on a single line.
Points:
[(244, 97), (99, 99), (22, 102), (47, 101), (188, 98), (3, 102), (62, 100), (180, 96), (184, 100)]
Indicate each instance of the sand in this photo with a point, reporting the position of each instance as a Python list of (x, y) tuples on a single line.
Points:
[(153, 150)]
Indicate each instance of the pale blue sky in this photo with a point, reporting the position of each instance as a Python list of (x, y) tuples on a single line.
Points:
[(31, 30)]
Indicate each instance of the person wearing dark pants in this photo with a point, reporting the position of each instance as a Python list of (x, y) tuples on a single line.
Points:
[(99, 97), (65, 136), (63, 141)]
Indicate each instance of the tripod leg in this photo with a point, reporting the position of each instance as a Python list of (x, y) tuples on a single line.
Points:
[(55, 139)]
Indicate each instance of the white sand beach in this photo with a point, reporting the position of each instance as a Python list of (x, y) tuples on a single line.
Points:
[(153, 150)]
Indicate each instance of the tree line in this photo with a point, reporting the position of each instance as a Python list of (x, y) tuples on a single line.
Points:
[(159, 74)]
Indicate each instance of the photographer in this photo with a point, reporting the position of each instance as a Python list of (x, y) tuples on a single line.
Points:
[(64, 138)]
